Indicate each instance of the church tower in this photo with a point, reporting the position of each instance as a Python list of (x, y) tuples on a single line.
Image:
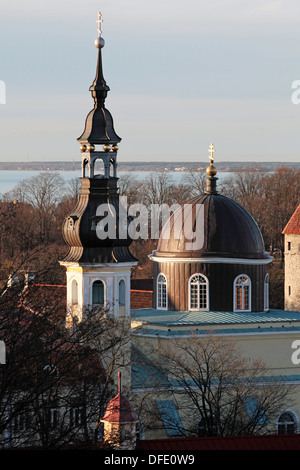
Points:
[(292, 262), (99, 262)]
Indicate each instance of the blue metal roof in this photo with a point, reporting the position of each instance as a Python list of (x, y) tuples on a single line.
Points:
[(144, 373), (170, 417), (174, 318)]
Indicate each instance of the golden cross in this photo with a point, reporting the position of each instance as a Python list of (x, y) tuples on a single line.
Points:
[(212, 150), (99, 21)]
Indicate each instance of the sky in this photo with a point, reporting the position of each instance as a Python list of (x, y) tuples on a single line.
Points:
[(181, 75)]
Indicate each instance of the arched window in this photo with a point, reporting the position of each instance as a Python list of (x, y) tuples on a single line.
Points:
[(287, 423), (162, 300), (98, 293), (266, 293), (74, 292), (122, 293), (242, 294), (199, 294)]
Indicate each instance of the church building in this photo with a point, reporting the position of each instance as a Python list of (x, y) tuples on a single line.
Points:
[(210, 279)]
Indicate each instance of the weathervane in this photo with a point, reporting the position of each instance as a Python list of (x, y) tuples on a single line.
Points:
[(99, 21), (211, 150)]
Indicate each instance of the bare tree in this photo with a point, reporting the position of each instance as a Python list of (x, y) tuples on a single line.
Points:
[(131, 188), (56, 380), (219, 392), (196, 181), (158, 189), (271, 199), (42, 192)]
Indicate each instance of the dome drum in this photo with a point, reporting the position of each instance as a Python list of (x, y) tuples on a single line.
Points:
[(220, 279)]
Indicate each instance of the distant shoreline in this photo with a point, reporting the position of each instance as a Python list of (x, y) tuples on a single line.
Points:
[(148, 166)]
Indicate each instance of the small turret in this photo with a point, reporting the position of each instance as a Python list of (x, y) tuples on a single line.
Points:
[(120, 422)]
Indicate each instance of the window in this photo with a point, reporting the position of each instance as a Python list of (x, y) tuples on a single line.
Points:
[(287, 423), (53, 416), (289, 245), (266, 293), (162, 301), (22, 421), (242, 294), (98, 293), (76, 415), (122, 292), (51, 411), (74, 292), (198, 292)]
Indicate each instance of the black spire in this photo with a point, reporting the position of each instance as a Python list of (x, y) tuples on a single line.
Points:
[(99, 128)]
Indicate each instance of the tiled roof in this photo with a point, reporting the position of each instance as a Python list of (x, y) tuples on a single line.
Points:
[(268, 442), (140, 299), (293, 225)]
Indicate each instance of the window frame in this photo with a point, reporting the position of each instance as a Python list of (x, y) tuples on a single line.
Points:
[(104, 293), (206, 283), (266, 293), (119, 299), (159, 292), (288, 423), (74, 291), (249, 285)]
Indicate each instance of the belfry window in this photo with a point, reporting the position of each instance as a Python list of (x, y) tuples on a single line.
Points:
[(162, 301), (98, 293), (198, 292), (122, 293), (74, 292), (266, 293), (242, 294)]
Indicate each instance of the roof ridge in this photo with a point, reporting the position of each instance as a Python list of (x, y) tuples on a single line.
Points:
[(293, 225)]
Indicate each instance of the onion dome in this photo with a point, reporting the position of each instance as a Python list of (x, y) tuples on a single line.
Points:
[(94, 228), (211, 225), (99, 127)]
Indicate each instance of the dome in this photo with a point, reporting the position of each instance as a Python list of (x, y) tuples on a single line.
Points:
[(222, 229)]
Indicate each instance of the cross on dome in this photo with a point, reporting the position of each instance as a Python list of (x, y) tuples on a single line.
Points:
[(212, 150)]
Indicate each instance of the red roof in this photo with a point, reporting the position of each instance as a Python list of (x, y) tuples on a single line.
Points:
[(141, 298), (269, 442), (293, 225), (119, 409)]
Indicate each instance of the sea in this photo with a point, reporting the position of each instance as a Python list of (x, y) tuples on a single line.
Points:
[(9, 179)]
